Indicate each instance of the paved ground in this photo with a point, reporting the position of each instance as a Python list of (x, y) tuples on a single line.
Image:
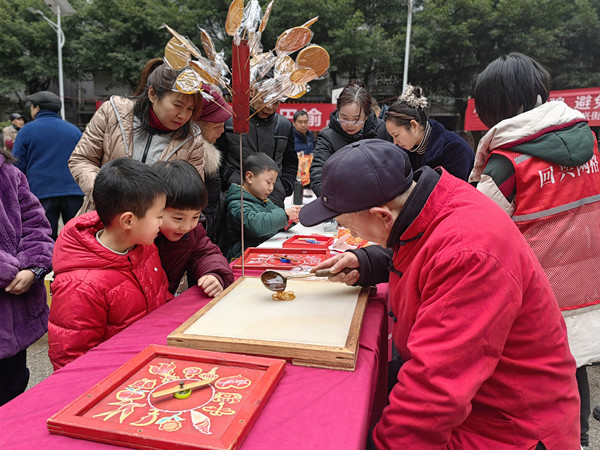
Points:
[(40, 367)]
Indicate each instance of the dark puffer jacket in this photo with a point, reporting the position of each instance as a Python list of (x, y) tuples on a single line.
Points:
[(333, 137), (273, 136), (24, 242)]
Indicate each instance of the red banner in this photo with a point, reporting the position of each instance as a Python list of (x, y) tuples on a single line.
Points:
[(585, 100), (318, 113)]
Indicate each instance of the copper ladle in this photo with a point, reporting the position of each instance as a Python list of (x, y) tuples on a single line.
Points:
[(276, 281)]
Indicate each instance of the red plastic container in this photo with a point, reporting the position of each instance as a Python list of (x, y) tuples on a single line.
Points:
[(309, 241), (281, 258)]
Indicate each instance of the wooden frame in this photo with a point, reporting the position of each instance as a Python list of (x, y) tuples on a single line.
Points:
[(136, 419), (324, 356)]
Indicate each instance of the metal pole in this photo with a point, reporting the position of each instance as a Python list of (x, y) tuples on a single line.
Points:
[(61, 41), (242, 202), (407, 49)]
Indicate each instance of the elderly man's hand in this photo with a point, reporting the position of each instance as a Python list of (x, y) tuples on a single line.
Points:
[(338, 262)]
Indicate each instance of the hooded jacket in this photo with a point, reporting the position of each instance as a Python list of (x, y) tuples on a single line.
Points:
[(24, 242), (444, 149), (273, 136), (195, 254), (479, 371), (333, 137), (96, 292), (262, 220), (111, 134), (553, 133)]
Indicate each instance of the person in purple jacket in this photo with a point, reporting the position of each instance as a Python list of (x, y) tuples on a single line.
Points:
[(183, 244), (25, 258)]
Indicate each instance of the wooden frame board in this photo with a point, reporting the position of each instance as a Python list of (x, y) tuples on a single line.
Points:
[(247, 305), (258, 258), (122, 409)]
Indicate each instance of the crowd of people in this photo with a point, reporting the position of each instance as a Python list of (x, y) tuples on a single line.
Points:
[(479, 248)]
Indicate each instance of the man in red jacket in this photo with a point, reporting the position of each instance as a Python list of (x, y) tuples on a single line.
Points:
[(486, 363)]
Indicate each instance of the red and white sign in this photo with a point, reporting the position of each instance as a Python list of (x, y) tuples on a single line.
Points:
[(585, 100), (318, 113)]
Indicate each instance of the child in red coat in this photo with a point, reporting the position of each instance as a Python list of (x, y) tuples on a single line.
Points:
[(106, 267), (183, 243)]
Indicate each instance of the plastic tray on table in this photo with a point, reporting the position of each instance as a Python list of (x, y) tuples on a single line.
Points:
[(281, 258), (309, 241)]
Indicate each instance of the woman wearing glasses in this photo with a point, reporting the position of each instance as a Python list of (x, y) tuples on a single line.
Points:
[(427, 142), (156, 124), (352, 121)]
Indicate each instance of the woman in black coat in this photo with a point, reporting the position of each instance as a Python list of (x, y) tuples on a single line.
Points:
[(426, 142), (352, 121)]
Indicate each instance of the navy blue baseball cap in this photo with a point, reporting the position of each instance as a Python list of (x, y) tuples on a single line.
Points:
[(357, 177)]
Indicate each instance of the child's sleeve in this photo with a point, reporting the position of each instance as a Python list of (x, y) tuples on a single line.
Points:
[(78, 319), (260, 223), (208, 259)]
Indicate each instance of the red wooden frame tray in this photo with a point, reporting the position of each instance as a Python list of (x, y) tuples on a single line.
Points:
[(271, 258), (121, 410), (305, 241)]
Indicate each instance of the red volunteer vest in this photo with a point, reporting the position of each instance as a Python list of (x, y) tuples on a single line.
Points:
[(558, 212)]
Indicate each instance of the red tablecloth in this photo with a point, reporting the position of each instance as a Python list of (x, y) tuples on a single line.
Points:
[(310, 408)]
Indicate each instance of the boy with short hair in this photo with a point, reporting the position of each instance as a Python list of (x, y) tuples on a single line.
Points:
[(107, 270), (262, 218), (183, 244)]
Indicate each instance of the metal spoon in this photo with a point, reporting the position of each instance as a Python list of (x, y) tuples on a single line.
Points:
[(276, 281)]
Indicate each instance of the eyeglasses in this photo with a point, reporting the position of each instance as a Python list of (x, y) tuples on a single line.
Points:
[(351, 122)]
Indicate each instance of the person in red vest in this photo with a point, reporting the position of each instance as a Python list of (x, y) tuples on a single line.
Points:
[(539, 162)]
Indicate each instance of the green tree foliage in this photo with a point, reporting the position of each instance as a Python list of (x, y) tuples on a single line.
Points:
[(361, 37), (120, 36), (451, 41), (28, 48)]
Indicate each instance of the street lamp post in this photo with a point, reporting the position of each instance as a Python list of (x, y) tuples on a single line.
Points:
[(58, 7)]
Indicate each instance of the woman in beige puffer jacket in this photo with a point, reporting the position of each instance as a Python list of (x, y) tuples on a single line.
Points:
[(156, 124)]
